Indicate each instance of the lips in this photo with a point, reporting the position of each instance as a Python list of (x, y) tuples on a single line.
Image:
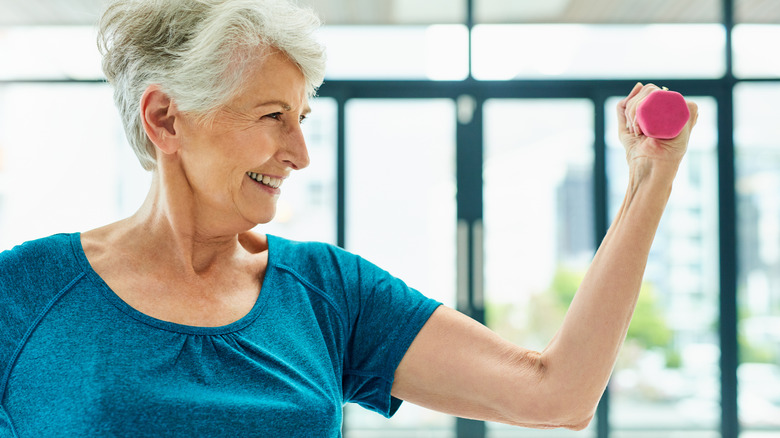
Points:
[(265, 179)]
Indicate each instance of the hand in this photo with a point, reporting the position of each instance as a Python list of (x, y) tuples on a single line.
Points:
[(640, 148)]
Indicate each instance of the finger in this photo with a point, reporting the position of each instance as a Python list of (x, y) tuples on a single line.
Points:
[(623, 124), (632, 105), (634, 91), (693, 109), (624, 117)]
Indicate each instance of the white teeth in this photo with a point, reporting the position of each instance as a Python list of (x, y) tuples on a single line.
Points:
[(265, 179)]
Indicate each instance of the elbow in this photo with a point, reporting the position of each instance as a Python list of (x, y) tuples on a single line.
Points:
[(553, 412), (569, 417), (550, 420), (579, 411), (568, 409), (580, 424), (575, 412), (558, 401)]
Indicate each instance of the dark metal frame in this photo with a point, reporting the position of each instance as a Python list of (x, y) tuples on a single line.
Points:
[(469, 183), (469, 179)]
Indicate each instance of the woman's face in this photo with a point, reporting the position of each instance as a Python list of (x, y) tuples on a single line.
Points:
[(234, 165)]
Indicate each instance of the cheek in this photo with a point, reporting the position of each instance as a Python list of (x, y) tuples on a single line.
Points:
[(255, 151)]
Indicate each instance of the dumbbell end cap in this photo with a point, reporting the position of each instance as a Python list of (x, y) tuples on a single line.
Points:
[(662, 114)]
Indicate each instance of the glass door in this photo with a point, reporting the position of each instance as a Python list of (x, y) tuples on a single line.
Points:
[(758, 225), (538, 220), (667, 378), (401, 215)]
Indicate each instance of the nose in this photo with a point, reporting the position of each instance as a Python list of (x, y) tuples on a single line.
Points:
[(294, 152)]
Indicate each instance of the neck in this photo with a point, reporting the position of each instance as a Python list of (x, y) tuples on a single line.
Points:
[(172, 222)]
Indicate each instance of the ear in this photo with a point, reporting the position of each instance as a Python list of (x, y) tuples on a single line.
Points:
[(158, 114)]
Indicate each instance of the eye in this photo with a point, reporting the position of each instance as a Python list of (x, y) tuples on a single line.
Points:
[(275, 116)]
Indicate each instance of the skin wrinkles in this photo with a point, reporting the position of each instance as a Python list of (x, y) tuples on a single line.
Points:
[(458, 366), (235, 130), (202, 265), (192, 238)]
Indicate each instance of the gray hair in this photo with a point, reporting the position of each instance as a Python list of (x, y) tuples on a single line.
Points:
[(198, 52)]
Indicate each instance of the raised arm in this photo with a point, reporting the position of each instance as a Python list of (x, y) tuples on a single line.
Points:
[(458, 366)]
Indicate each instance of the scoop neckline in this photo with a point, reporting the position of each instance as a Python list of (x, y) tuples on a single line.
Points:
[(161, 324)]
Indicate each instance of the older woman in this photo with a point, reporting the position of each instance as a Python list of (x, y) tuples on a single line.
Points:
[(180, 320)]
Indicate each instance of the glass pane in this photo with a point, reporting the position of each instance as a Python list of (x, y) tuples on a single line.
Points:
[(590, 11), (99, 179), (751, 45), (667, 378), (538, 215), (28, 53), (72, 133), (307, 208), (45, 12), (401, 215), (592, 51), (758, 224), (757, 11), (389, 11), (437, 52)]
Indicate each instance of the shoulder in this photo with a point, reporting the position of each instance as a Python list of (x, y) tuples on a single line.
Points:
[(322, 260), (40, 258), (303, 253), (313, 261), (32, 247), (33, 272), (31, 276), (336, 272)]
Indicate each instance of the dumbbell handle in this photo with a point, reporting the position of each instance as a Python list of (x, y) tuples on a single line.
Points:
[(662, 114)]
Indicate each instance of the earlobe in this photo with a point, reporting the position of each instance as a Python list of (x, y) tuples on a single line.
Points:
[(158, 113)]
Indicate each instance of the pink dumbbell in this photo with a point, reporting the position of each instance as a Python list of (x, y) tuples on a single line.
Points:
[(662, 114)]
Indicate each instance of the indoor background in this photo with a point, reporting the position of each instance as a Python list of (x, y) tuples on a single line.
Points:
[(470, 147)]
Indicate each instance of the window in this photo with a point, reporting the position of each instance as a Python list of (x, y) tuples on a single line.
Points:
[(667, 376), (49, 52), (538, 218), (590, 12), (437, 52), (562, 51), (400, 174), (400, 196), (307, 208), (758, 223), (752, 45), (64, 162), (398, 12), (65, 166)]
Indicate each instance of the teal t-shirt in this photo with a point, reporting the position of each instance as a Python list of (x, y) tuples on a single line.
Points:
[(75, 360)]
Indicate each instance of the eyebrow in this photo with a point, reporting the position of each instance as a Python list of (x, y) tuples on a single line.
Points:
[(285, 106)]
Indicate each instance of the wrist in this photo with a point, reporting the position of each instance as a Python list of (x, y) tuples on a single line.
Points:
[(654, 173), (653, 168)]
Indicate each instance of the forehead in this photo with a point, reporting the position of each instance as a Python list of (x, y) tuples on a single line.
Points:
[(274, 79)]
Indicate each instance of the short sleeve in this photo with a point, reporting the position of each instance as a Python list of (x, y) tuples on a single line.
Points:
[(31, 275), (385, 317)]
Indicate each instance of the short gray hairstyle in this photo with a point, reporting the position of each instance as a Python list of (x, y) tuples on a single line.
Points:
[(198, 52)]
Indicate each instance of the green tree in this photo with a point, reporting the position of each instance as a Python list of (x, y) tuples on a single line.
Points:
[(648, 326)]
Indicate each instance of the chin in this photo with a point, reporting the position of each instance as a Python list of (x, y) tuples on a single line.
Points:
[(263, 222), (264, 218), (256, 214)]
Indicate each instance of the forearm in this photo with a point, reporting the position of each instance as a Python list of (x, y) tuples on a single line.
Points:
[(579, 360), (458, 366)]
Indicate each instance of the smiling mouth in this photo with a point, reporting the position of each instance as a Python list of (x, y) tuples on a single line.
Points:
[(265, 180)]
